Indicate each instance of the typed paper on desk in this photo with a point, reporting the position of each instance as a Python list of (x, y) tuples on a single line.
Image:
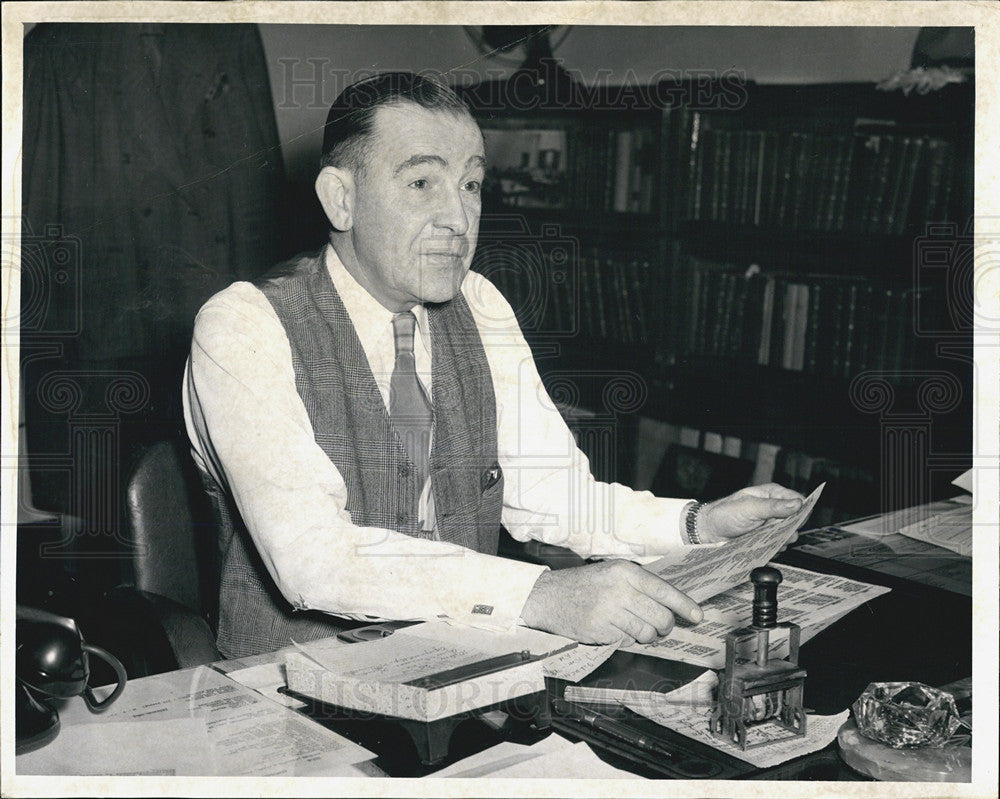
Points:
[(809, 599), (694, 723)]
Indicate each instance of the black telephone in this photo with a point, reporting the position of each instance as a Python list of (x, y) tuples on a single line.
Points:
[(53, 662)]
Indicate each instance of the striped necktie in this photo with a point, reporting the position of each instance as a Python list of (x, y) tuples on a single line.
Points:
[(409, 409)]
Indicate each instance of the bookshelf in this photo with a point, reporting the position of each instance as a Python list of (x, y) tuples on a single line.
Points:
[(750, 252)]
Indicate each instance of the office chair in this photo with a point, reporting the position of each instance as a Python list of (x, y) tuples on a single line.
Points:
[(163, 617)]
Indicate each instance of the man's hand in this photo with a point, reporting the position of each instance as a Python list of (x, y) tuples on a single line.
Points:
[(602, 603), (746, 511)]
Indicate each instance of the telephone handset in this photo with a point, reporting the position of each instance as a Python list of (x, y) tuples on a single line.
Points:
[(53, 662)]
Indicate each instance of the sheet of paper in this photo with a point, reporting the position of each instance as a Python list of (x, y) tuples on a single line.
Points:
[(892, 523), (124, 749), (266, 679), (693, 722), (568, 761), (503, 755), (894, 554), (249, 734), (576, 663), (965, 481), (395, 659), (809, 599), (703, 572), (951, 528)]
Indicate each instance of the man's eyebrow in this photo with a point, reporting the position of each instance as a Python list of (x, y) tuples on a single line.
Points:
[(417, 160)]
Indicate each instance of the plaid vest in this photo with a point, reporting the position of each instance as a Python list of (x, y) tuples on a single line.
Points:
[(351, 425)]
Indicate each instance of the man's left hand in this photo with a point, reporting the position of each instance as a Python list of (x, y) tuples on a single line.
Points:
[(746, 511)]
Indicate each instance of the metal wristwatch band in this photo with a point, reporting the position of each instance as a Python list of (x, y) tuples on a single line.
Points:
[(690, 522)]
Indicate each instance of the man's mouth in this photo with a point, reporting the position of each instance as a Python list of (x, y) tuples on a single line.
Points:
[(455, 251)]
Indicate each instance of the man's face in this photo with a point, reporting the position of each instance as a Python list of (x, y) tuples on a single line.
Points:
[(417, 205)]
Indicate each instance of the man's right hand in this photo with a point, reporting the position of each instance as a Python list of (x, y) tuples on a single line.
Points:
[(605, 602)]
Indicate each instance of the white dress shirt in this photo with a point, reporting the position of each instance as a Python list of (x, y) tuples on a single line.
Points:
[(250, 430)]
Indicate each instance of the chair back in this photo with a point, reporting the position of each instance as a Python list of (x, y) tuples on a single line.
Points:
[(173, 529)]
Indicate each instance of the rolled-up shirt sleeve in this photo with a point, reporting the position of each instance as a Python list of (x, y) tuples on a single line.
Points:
[(250, 430)]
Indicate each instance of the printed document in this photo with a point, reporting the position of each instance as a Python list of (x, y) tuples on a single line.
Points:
[(809, 599), (703, 572)]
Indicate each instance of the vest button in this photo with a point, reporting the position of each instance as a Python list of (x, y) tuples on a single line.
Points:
[(400, 518), (404, 470)]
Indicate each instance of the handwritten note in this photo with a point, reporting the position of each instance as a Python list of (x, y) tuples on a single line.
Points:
[(576, 663)]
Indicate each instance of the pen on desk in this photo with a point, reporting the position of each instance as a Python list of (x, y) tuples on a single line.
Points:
[(608, 725), (470, 671)]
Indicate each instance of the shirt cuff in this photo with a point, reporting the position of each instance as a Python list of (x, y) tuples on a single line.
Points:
[(492, 598)]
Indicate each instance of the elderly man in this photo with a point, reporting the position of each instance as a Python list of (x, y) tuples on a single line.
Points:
[(366, 418)]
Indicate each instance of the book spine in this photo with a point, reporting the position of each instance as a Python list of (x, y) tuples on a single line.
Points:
[(598, 292), (850, 328), (802, 178), (864, 326), (887, 158), (738, 180), (905, 201), (813, 331), (789, 326), (696, 168), (737, 323), (693, 305), (837, 328), (894, 197), (718, 148), (790, 158), (588, 321), (766, 321), (623, 171)]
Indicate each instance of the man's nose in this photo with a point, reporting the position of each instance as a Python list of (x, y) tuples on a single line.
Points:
[(452, 213)]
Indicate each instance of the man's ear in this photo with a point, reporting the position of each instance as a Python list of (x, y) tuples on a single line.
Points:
[(335, 188)]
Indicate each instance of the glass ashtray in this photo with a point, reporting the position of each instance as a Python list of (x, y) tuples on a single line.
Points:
[(906, 715)]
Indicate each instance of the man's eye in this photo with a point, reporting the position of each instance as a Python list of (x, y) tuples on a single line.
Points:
[(473, 186), (420, 183)]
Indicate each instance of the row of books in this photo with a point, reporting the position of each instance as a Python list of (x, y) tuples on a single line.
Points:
[(593, 296), (850, 491), (864, 182), (611, 169), (819, 324)]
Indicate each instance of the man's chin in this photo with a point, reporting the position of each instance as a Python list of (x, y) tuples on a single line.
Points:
[(444, 289)]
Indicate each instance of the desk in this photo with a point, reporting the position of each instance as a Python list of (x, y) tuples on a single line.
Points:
[(886, 639)]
